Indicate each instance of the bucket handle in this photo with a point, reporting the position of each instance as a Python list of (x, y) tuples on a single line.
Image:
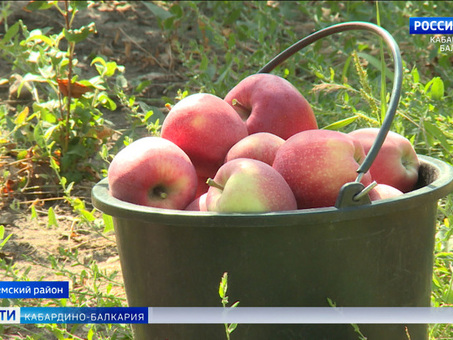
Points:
[(351, 193)]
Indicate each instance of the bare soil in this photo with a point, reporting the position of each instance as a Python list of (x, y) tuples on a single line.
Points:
[(128, 33)]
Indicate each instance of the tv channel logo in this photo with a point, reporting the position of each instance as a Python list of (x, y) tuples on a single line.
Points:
[(431, 25)]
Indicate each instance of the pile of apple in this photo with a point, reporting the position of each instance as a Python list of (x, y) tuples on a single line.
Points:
[(257, 150)]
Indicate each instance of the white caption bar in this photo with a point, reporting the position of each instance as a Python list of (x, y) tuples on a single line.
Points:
[(300, 315)]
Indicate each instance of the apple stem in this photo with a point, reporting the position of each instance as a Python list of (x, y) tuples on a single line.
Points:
[(237, 103), (160, 192), (214, 184)]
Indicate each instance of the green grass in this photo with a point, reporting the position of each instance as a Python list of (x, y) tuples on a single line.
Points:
[(341, 76)]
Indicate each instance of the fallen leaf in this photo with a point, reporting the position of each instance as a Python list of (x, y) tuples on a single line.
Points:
[(77, 89)]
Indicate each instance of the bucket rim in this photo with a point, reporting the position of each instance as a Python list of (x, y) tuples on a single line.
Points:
[(440, 187)]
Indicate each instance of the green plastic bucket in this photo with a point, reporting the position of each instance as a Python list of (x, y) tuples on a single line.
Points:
[(376, 254)]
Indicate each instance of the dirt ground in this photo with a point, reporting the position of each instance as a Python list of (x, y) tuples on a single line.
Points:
[(127, 32)]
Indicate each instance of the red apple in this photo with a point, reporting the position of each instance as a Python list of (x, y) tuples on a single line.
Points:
[(317, 163), (269, 103), (261, 146), (382, 191), (246, 185), (396, 164), (199, 204), (205, 127), (155, 172)]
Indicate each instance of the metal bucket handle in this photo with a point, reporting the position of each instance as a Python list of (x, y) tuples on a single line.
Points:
[(354, 193)]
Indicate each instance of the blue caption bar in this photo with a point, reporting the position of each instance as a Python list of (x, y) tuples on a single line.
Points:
[(220, 315), (431, 25), (84, 315), (9, 315), (34, 289)]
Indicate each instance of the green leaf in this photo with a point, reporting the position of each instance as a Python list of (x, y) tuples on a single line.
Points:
[(204, 63), (87, 215), (111, 68), (415, 75), (319, 75), (331, 302), (376, 63), (22, 116), (121, 81), (445, 256), (79, 4), (79, 35), (2, 235), (22, 154), (439, 135), (108, 223), (36, 35), (42, 38), (38, 136), (223, 287), (107, 102), (34, 77), (99, 60), (39, 5), (341, 123), (140, 87), (435, 88), (148, 115), (346, 69), (52, 218), (49, 132), (34, 214), (48, 116), (158, 11), (168, 24), (54, 164), (12, 31), (232, 327), (436, 281), (221, 290), (80, 203), (176, 10)]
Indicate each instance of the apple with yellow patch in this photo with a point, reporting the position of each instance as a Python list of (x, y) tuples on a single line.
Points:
[(245, 185)]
